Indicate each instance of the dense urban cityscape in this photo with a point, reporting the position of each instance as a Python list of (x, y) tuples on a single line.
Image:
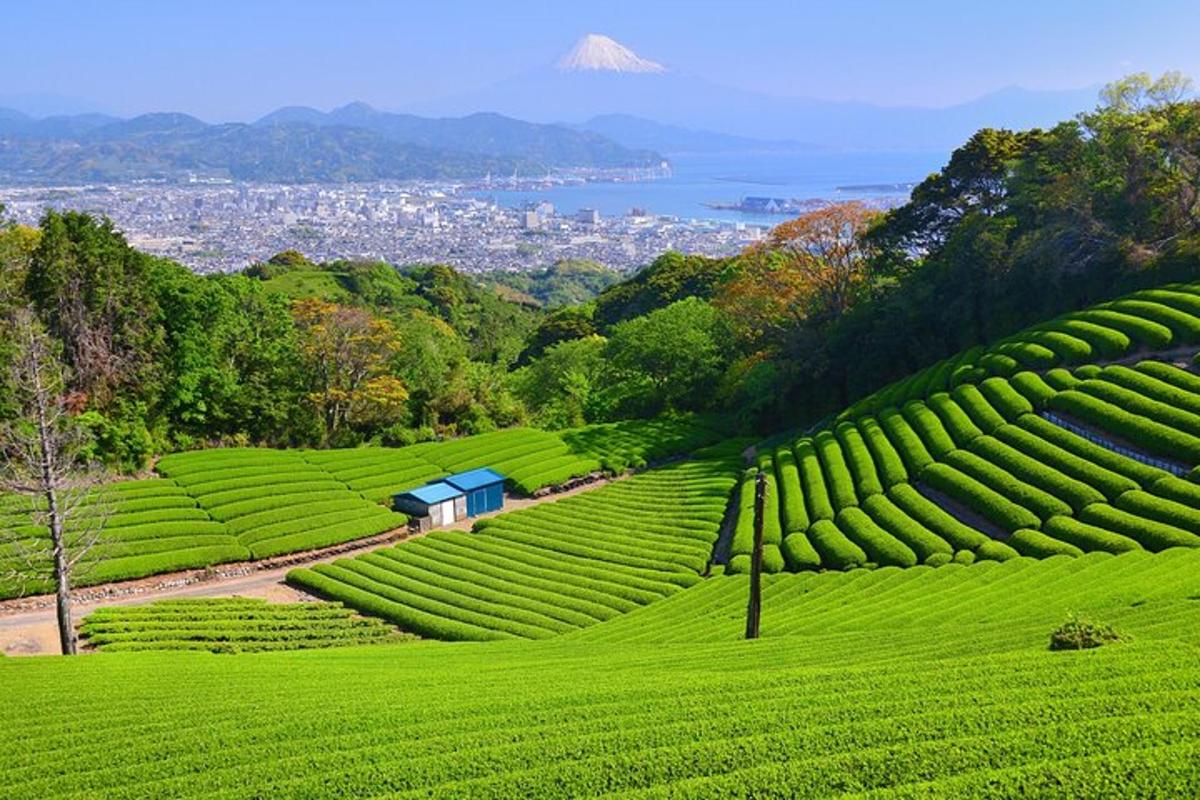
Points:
[(214, 227)]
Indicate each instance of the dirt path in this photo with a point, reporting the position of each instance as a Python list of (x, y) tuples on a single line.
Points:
[(27, 626)]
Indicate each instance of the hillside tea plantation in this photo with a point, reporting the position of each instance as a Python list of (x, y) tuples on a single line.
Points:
[(149, 526), (1058, 464), (550, 569), (274, 501), (1018, 598), (923, 555), (963, 698), (1148, 321), (233, 625), (211, 507)]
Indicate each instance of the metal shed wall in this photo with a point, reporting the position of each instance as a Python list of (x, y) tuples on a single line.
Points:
[(483, 487), (485, 499)]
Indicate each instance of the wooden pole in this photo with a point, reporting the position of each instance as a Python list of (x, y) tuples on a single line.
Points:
[(754, 607)]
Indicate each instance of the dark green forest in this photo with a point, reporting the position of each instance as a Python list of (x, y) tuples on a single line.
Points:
[(1017, 227)]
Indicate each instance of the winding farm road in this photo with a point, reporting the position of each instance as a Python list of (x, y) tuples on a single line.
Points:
[(28, 627)]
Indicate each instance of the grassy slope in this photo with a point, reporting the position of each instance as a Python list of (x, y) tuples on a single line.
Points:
[(1018, 601), (302, 284), (923, 705)]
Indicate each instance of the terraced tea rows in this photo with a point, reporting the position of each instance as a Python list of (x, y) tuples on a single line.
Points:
[(549, 569), (530, 459), (275, 502), (981, 473), (230, 626), (1152, 320), (377, 473), (148, 526), (914, 704), (234, 504), (619, 446), (1021, 597)]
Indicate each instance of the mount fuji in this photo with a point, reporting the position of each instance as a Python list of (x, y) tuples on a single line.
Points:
[(599, 53), (600, 77)]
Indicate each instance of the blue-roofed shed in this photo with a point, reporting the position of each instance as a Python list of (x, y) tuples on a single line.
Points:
[(439, 501), (483, 487)]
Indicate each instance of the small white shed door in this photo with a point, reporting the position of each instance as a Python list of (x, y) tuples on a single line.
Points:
[(447, 507)]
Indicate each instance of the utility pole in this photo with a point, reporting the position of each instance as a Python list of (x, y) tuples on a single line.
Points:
[(754, 607)]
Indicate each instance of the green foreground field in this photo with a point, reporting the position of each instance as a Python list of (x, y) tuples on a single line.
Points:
[(915, 702)]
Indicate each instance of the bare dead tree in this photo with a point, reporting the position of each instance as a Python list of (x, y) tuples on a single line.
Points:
[(40, 473)]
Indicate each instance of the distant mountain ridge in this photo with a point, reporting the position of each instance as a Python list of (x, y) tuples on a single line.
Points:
[(481, 132), (638, 132), (297, 144), (612, 86)]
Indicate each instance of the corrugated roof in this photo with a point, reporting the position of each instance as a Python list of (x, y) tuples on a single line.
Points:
[(474, 479), (434, 492)]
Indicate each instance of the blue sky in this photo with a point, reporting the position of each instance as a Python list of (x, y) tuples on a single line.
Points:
[(232, 60)]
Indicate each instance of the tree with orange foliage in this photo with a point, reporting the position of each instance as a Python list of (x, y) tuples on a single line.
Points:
[(348, 353), (812, 268)]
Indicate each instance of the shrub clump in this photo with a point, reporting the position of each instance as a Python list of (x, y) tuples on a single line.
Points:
[(1082, 634)]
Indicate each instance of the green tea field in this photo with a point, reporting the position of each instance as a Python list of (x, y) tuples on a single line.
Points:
[(210, 507), (957, 698)]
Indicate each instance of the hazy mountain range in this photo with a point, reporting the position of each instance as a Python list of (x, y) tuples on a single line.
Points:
[(600, 105), (351, 143)]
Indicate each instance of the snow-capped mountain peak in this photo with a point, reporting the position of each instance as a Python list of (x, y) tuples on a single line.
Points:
[(595, 52)]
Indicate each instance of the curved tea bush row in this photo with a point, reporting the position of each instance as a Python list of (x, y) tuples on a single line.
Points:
[(886, 458), (230, 626), (957, 423), (812, 482), (860, 461), (1154, 436), (541, 571), (551, 472), (1155, 319), (928, 426), (836, 471), (984, 449), (619, 446), (128, 568), (881, 547), (141, 527), (793, 513), (1008, 596), (1036, 544), (377, 473), (980, 497), (278, 502), (834, 547), (925, 544)]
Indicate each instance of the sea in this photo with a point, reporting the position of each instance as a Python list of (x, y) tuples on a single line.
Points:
[(699, 180)]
